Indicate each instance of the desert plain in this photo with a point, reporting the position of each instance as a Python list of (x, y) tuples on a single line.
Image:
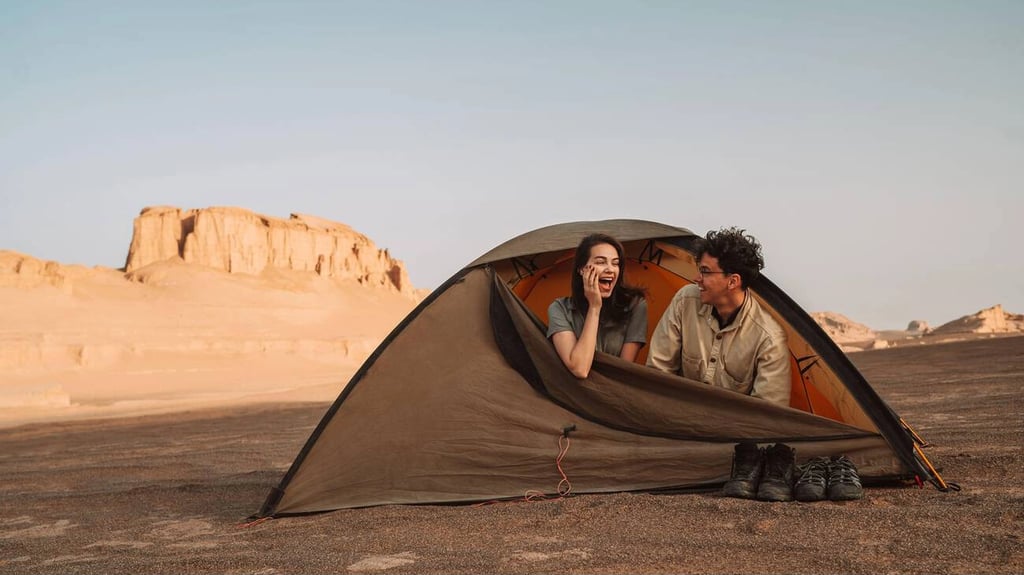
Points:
[(143, 420), (170, 493)]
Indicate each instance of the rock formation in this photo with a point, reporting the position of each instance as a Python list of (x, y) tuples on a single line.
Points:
[(993, 320), (237, 240), (21, 271), (842, 329), (918, 327)]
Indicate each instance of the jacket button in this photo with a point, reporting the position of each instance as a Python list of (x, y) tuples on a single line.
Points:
[(719, 336), (713, 360)]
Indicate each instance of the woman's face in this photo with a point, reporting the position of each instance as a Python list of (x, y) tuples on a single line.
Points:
[(604, 260)]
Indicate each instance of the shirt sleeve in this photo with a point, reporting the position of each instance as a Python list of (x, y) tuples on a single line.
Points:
[(666, 348), (558, 318), (772, 380), (636, 328)]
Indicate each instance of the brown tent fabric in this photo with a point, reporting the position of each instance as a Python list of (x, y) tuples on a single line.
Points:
[(567, 236), (467, 401)]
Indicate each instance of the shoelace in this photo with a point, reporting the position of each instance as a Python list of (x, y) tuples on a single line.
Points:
[(842, 470), (814, 471)]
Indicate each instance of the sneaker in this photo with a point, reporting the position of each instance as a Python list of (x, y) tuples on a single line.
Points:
[(747, 462), (813, 481), (843, 481), (777, 483)]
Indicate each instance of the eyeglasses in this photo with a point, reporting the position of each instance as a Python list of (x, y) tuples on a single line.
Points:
[(707, 272)]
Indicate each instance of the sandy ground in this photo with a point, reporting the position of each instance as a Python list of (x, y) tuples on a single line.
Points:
[(170, 493), (87, 343)]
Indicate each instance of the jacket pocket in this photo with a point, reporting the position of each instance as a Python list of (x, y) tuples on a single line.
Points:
[(743, 385), (693, 368)]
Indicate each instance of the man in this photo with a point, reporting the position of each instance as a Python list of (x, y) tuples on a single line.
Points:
[(715, 331)]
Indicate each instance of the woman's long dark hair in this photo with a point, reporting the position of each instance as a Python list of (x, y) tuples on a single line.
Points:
[(623, 295)]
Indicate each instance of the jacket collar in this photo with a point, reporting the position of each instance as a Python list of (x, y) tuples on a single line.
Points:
[(707, 311)]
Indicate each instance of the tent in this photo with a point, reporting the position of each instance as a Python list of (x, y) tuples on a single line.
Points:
[(467, 401)]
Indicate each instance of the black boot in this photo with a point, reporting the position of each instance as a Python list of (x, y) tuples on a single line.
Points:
[(777, 484), (746, 471)]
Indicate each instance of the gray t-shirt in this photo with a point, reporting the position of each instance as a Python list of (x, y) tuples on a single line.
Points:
[(563, 316)]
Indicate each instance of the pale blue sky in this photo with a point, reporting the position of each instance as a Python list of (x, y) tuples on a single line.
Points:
[(876, 148)]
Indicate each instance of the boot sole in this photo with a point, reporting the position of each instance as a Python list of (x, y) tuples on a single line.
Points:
[(846, 496), (738, 491), (774, 493), (809, 495)]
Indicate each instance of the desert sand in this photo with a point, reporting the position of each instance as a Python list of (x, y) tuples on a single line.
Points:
[(170, 493), (175, 335)]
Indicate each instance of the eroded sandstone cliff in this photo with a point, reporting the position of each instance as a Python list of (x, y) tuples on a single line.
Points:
[(238, 240), (842, 329), (992, 320), (23, 271)]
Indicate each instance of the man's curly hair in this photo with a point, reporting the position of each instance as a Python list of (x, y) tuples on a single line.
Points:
[(737, 253)]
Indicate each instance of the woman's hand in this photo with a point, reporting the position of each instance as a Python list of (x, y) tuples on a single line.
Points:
[(591, 290)]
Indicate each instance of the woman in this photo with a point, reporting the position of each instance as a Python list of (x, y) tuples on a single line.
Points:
[(604, 313)]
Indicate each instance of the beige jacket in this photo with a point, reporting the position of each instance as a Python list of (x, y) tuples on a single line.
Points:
[(749, 356)]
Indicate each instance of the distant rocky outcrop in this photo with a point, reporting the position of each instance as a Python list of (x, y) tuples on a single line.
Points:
[(993, 320), (22, 271), (238, 240), (842, 329), (852, 336), (918, 327)]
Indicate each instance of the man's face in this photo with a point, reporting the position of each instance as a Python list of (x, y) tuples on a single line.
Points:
[(713, 282)]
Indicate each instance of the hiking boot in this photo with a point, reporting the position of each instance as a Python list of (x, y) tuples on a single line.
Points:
[(777, 483), (813, 481), (843, 481), (747, 461)]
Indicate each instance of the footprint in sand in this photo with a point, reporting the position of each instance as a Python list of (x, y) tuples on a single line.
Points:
[(383, 562)]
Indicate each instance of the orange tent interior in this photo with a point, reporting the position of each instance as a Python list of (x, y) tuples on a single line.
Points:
[(539, 289)]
